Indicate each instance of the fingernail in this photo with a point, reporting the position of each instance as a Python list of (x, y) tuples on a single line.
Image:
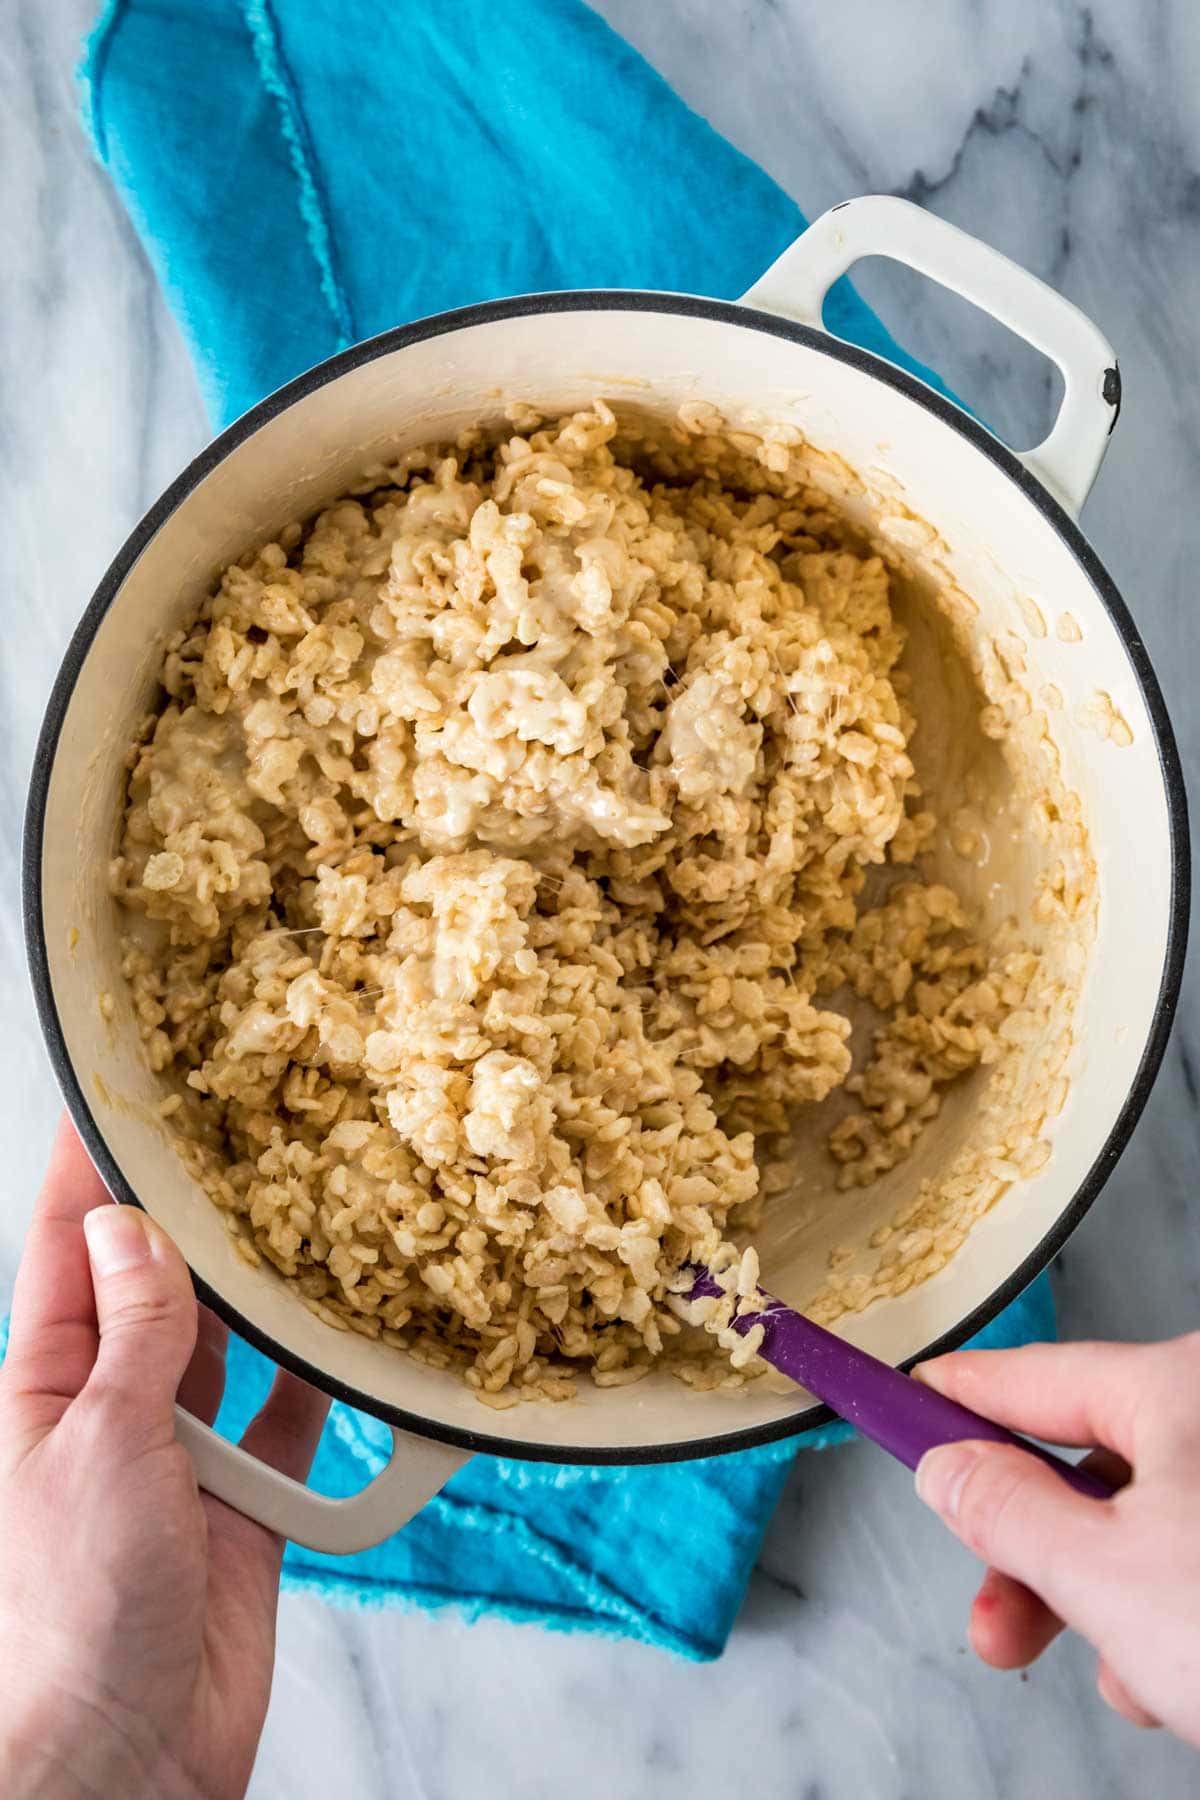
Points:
[(118, 1238), (941, 1475)]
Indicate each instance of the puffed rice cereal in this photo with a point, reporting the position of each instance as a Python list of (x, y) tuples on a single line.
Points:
[(502, 838)]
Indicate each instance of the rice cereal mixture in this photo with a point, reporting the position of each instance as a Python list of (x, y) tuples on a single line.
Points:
[(506, 827)]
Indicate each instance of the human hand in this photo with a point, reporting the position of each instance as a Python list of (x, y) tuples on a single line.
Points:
[(137, 1615), (1125, 1572)]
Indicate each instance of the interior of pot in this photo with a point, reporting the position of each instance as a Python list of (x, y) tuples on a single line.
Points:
[(954, 523)]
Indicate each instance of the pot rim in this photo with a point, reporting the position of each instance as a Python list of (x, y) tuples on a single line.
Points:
[(720, 312)]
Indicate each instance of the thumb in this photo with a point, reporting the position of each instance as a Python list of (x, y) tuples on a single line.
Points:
[(146, 1312), (1014, 1513)]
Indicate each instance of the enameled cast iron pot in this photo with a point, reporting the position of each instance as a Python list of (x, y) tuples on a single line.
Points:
[(1005, 529)]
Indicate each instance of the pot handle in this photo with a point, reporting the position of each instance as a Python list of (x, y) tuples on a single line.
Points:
[(796, 284), (416, 1470)]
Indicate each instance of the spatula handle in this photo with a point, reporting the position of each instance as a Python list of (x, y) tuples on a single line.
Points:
[(902, 1415)]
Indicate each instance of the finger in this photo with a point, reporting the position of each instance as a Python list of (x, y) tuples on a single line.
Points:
[(147, 1316), (1018, 1515), (52, 1335), (1066, 1393), (1010, 1625), (203, 1383), (287, 1428), (1114, 1693)]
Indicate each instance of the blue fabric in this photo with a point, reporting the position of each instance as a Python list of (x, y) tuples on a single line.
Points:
[(303, 175)]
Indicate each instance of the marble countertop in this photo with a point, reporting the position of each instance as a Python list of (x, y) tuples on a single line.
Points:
[(1068, 136)]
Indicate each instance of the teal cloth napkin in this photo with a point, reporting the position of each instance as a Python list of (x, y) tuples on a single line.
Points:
[(302, 175)]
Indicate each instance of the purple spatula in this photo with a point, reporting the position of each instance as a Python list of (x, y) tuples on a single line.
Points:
[(902, 1415)]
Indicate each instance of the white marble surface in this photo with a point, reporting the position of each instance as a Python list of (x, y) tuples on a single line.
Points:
[(1070, 137)]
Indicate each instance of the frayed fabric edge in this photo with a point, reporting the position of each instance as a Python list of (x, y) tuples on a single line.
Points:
[(89, 75), (277, 82), (351, 1591)]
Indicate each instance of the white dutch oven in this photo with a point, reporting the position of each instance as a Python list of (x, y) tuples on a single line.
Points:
[(1005, 528)]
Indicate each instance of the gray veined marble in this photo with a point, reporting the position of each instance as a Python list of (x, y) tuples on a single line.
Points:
[(1068, 136)]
